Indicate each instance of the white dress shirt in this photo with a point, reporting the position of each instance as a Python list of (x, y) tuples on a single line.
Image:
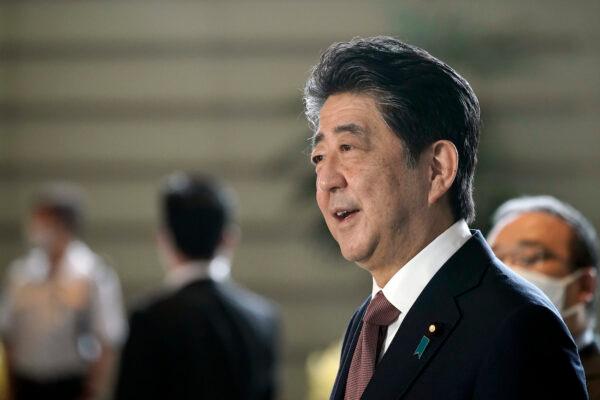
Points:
[(53, 321), (403, 289)]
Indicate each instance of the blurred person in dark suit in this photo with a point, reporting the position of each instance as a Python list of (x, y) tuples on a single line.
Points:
[(394, 149), (553, 246), (202, 337), (62, 317)]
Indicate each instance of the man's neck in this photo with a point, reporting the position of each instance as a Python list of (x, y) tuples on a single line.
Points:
[(57, 255), (384, 272), (216, 269)]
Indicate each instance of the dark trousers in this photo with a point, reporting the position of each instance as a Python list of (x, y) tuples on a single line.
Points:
[(68, 388)]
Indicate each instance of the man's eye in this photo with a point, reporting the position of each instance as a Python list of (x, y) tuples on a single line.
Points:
[(532, 259), (345, 147), (315, 159)]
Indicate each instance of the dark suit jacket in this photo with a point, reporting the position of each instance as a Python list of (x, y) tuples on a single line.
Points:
[(590, 358), (498, 337), (206, 341)]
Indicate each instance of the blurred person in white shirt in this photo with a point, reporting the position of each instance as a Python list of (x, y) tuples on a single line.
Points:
[(62, 316)]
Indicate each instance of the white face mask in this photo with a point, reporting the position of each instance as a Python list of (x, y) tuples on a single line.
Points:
[(554, 288)]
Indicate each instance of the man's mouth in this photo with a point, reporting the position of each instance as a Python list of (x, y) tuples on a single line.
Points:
[(343, 215)]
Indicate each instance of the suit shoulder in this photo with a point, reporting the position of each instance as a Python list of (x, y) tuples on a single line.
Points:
[(248, 302), (160, 304), (505, 304), (508, 290), (531, 317), (530, 345), (147, 301)]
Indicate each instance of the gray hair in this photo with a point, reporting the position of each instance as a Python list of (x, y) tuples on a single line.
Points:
[(585, 247)]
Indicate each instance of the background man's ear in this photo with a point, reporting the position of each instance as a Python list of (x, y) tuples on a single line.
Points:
[(443, 168), (587, 285), (166, 251), (161, 238), (231, 237)]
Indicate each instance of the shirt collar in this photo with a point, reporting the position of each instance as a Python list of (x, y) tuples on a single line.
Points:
[(403, 289), (78, 260), (217, 269)]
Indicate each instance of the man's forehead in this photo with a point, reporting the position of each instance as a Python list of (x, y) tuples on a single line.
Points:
[(536, 228), (352, 128), (352, 113), (538, 221), (356, 108)]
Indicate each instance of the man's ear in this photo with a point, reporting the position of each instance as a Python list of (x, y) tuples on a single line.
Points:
[(587, 285), (443, 168), (160, 238), (166, 251), (231, 237)]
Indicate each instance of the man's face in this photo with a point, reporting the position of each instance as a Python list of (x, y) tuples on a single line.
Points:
[(537, 241), (43, 229), (541, 242), (370, 198)]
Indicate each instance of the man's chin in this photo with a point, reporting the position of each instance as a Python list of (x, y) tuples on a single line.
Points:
[(355, 255)]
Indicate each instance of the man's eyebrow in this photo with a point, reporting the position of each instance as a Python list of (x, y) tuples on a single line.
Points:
[(534, 244), (531, 243), (351, 128), (525, 243), (315, 139)]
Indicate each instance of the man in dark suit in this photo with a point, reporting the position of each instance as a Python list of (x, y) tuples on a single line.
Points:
[(203, 337), (553, 246), (394, 148)]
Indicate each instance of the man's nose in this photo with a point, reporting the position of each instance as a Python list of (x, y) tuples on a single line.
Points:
[(330, 177)]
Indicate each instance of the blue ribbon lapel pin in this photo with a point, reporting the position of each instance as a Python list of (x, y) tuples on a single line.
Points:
[(432, 330), (421, 347)]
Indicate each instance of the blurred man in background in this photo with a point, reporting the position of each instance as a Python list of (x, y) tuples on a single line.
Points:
[(62, 316), (553, 246), (203, 337)]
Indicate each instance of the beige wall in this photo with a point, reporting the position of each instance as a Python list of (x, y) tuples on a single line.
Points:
[(115, 94)]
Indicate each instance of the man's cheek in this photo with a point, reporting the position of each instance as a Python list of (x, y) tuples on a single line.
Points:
[(322, 203)]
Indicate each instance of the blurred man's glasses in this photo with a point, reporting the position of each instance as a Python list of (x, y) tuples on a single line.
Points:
[(529, 256)]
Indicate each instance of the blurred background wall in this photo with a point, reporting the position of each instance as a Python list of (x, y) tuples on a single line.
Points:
[(113, 95)]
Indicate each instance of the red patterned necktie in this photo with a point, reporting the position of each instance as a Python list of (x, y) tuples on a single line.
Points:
[(380, 313)]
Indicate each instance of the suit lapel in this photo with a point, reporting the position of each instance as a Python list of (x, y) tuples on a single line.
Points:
[(413, 347), (402, 364), (346, 358)]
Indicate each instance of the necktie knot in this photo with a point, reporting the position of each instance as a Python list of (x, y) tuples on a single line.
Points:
[(380, 311)]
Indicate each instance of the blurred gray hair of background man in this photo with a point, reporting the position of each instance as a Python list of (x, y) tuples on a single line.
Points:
[(553, 246), (62, 316)]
